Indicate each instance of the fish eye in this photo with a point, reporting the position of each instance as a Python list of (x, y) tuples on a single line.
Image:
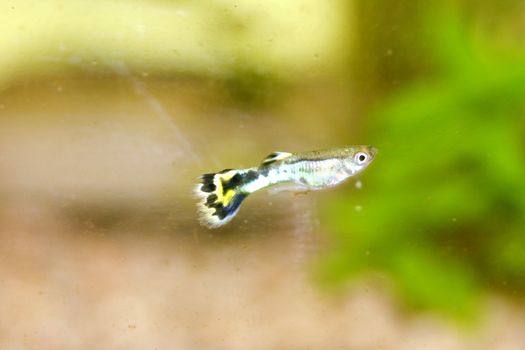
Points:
[(360, 157)]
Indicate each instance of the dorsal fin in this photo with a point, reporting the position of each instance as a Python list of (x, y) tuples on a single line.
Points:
[(275, 156)]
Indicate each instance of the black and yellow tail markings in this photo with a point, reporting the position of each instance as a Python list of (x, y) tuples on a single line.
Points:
[(207, 183), (221, 195)]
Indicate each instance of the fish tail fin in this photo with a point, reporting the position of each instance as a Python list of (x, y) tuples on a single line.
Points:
[(220, 195)]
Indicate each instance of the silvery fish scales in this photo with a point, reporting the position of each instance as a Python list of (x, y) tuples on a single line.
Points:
[(221, 194)]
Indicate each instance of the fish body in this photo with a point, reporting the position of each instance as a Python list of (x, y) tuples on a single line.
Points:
[(221, 194)]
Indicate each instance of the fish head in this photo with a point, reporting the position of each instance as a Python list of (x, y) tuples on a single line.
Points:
[(358, 158)]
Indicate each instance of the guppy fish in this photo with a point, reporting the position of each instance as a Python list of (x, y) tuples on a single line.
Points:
[(221, 194)]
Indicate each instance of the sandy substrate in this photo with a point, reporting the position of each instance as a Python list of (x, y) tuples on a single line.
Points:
[(78, 286)]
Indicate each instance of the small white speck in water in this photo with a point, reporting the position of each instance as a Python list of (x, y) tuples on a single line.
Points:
[(454, 219), (358, 184), (358, 208)]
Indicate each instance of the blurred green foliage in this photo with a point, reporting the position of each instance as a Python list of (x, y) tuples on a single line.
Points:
[(443, 206), (251, 88)]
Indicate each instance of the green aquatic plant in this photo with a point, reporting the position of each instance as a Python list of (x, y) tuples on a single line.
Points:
[(443, 209)]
